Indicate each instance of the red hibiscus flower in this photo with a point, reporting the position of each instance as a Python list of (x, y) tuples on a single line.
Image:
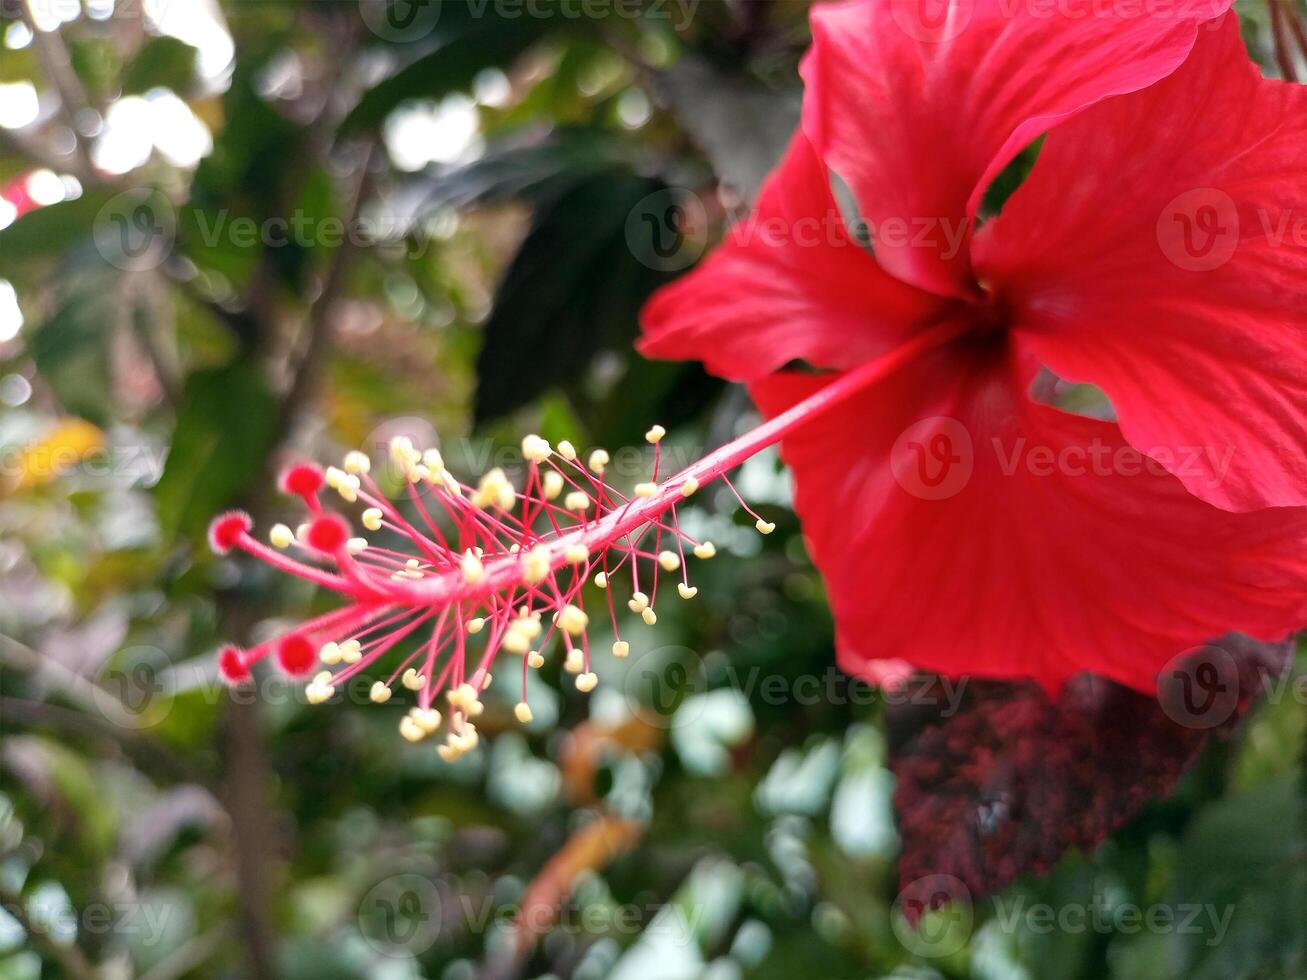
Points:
[(1156, 251)]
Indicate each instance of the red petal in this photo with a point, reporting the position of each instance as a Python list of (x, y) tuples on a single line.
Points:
[(919, 113), (964, 528), (787, 284), (1199, 341), (1004, 780)]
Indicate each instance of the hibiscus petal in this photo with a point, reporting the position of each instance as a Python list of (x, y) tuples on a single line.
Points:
[(919, 104), (789, 283), (967, 529), (1175, 278)]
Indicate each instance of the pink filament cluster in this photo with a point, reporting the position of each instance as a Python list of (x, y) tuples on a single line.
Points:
[(471, 570)]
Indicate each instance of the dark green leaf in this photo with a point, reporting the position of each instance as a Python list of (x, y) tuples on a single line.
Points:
[(50, 230), (71, 350), (574, 288), (459, 57), (226, 426), (1244, 862), (163, 62)]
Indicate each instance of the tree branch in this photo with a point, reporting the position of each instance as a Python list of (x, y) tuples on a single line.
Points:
[(318, 325)]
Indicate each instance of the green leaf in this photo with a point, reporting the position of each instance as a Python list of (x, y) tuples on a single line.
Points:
[(534, 172), (574, 288), (226, 427), (51, 230), (462, 53), (71, 350), (164, 62), (1243, 867)]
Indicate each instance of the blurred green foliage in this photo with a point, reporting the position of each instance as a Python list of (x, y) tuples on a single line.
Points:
[(152, 824)]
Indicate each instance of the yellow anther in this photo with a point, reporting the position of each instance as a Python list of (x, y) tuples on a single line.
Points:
[(476, 625), (585, 683), (402, 451), (356, 546), (462, 696), (349, 489), (686, 591), (330, 654), (574, 662), (494, 490), (670, 560), (572, 620), (705, 550), (577, 501), (689, 486), (638, 602), (413, 680), (466, 740), (357, 462), (601, 579), (567, 451), (552, 484), (523, 712), (649, 616), (536, 565), (535, 659), (448, 753), (646, 489), (321, 688), (474, 573), (434, 462), (576, 553), (655, 435), (380, 694), (764, 527), (281, 536), (351, 651), (428, 719), (598, 460), (515, 641), (451, 484), (621, 649), (334, 477), (535, 449), (372, 518), (411, 730)]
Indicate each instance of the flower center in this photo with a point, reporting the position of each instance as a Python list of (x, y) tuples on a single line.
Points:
[(990, 313)]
